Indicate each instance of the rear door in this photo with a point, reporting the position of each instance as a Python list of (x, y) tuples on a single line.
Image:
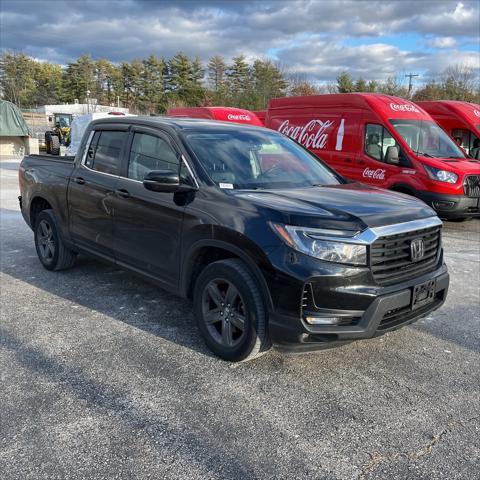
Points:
[(91, 190), (148, 224)]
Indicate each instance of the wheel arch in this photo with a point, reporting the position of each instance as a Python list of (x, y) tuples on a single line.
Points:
[(37, 204), (403, 188), (204, 252)]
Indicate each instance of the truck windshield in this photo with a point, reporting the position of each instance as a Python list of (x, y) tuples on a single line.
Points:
[(252, 159), (427, 138)]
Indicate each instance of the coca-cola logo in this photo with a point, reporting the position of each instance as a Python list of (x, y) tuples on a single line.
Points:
[(312, 135), (231, 116), (378, 174), (476, 113), (404, 107)]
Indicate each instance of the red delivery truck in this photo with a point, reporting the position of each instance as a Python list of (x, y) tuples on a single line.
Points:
[(461, 120), (385, 141), (226, 114), (261, 114)]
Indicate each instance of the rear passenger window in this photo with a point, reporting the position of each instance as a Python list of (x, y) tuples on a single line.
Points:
[(104, 152), (149, 153)]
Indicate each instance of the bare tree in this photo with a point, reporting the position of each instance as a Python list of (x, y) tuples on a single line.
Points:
[(459, 82)]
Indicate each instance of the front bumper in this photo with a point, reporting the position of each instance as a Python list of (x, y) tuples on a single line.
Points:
[(451, 206), (385, 313)]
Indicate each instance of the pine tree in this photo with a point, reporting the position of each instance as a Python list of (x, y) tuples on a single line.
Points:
[(216, 72), (17, 79), (267, 82), (153, 84), (48, 83), (80, 78), (344, 83), (238, 76), (360, 85), (184, 80)]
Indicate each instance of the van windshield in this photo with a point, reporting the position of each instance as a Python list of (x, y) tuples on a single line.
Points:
[(427, 138), (250, 159)]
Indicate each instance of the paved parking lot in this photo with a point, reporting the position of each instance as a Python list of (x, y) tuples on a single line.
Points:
[(104, 376)]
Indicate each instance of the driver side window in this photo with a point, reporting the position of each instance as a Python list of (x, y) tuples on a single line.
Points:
[(377, 141)]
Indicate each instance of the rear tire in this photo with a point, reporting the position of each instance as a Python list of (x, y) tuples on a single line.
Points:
[(230, 311), (51, 251)]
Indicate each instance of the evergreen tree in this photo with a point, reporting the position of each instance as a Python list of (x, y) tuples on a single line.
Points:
[(238, 76), (216, 72), (79, 78), (360, 85), (267, 82), (344, 83), (48, 82), (132, 84), (153, 84), (184, 80), (17, 79)]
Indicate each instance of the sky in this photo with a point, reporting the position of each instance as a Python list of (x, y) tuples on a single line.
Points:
[(316, 39)]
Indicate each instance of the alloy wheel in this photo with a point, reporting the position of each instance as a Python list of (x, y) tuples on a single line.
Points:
[(46, 241), (224, 312)]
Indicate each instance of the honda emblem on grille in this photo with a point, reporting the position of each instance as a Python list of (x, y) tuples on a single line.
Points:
[(417, 249)]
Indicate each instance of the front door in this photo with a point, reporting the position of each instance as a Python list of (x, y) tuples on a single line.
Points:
[(147, 225), (91, 192), (370, 162)]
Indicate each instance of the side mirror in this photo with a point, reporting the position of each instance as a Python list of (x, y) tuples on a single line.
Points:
[(392, 156), (164, 181)]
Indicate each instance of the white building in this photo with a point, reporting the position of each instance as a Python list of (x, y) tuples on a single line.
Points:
[(79, 108)]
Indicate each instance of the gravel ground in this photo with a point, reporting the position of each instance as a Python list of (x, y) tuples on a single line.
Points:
[(104, 376)]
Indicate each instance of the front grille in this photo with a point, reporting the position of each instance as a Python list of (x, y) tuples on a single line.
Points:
[(471, 185), (390, 257)]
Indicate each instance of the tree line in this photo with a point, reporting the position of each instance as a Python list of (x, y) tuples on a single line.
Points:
[(154, 84)]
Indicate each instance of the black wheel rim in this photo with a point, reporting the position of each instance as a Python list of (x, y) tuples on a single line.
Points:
[(224, 312), (45, 241)]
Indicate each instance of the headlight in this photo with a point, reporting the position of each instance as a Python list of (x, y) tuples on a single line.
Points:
[(441, 175), (308, 241)]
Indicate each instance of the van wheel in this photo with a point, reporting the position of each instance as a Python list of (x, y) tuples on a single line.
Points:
[(230, 311), (51, 250)]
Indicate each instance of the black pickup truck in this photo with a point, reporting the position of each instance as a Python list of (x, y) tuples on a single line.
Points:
[(270, 244)]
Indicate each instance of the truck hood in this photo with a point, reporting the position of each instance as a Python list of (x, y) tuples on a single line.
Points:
[(352, 206), (467, 166)]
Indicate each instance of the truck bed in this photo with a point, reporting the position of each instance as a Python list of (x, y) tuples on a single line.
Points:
[(53, 158)]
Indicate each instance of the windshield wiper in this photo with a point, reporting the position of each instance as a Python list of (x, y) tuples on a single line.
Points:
[(425, 154)]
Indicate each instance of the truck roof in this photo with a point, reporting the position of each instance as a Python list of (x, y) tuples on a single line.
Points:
[(177, 123), (386, 106), (469, 112), (227, 114)]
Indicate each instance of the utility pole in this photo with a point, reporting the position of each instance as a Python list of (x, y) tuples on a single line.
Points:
[(410, 84)]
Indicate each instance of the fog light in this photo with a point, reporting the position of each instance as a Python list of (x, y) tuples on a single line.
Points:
[(443, 205), (323, 320)]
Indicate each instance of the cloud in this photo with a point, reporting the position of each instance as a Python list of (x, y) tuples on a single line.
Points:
[(442, 42), (309, 36)]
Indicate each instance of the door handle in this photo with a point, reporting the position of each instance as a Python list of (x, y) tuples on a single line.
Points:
[(79, 180), (361, 162), (348, 160), (121, 192)]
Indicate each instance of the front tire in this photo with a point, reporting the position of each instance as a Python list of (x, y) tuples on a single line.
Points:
[(230, 311), (51, 251), (55, 145)]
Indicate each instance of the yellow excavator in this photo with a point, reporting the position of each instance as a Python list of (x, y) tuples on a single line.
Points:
[(60, 134)]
